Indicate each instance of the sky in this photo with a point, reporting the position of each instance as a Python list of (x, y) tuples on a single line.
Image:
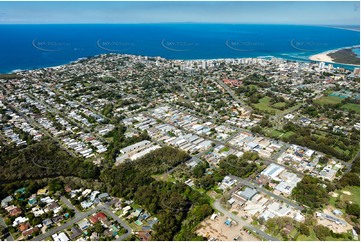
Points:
[(310, 13)]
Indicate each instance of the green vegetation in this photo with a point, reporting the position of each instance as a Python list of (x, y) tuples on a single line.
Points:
[(286, 228), (310, 193), (328, 100), (240, 167), (178, 207), (120, 141), (346, 56), (339, 103), (343, 198), (338, 146), (9, 76), (324, 233), (271, 132), (352, 107), (282, 227), (279, 105), (264, 105), (41, 160), (310, 237)]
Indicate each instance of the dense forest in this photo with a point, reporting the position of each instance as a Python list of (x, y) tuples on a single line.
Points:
[(304, 137), (241, 167), (178, 207), (41, 160)]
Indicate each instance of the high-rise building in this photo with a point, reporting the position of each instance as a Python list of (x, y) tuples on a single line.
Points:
[(321, 65), (356, 71)]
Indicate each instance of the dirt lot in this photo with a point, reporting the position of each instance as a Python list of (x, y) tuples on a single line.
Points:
[(331, 225), (218, 230)]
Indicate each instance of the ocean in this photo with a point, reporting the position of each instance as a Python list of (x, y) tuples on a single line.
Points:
[(24, 47)]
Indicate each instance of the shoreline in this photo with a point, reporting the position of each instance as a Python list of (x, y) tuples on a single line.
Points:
[(324, 56), (317, 57)]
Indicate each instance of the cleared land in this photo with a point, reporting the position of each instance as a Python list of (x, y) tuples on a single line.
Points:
[(349, 193), (264, 105), (328, 100), (219, 230), (335, 100), (279, 105), (352, 106)]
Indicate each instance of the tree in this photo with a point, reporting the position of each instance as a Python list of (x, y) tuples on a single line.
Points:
[(304, 229), (321, 232), (323, 160), (98, 228), (349, 179), (353, 209), (310, 193), (206, 182), (199, 169)]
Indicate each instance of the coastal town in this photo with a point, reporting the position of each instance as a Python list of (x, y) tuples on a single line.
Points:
[(127, 147)]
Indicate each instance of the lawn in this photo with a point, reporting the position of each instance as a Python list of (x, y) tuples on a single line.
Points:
[(288, 134), (164, 177), (355, 194), (312, 236), (351, 106), (336, 100), (264, 105), (353, 197), (346, 152), (225, 149), (274, 133), (328, 100), (279, 105)]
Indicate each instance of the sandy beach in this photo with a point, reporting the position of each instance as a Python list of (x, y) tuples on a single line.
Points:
[(322, 57)]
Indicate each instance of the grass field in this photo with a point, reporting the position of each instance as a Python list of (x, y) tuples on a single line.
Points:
[(273, 132), (336, 100), (264, 105), (279, 105), (312, 236), (328, 100), (288, 134), (352, 106), (354, 196), (225, 149), (164, 177)]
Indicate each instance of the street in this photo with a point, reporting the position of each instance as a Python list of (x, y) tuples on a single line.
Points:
[(261, 189), (217, 205), (80, 216)]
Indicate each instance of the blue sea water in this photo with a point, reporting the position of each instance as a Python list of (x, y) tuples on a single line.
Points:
[(356, 51), (37, 46)]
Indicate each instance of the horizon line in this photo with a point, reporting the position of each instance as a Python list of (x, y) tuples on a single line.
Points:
[(190, 22)]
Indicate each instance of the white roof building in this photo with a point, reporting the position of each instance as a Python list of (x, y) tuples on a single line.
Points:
[(273, 170), (60, 237)]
